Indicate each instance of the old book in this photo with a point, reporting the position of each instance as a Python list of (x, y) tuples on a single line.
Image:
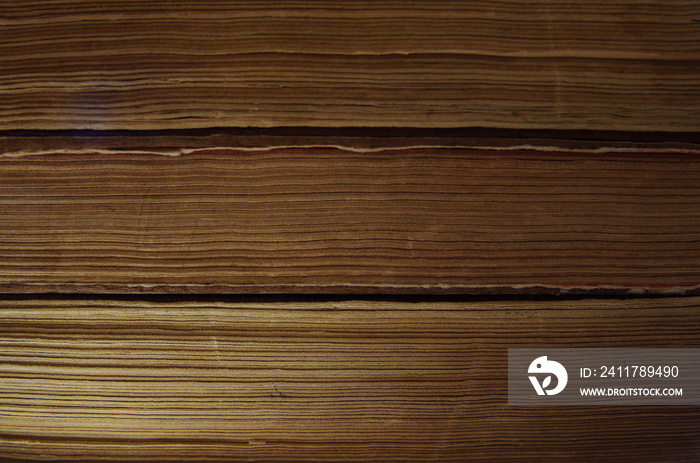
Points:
[(310, 220), (620, 65), (321, 381)]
